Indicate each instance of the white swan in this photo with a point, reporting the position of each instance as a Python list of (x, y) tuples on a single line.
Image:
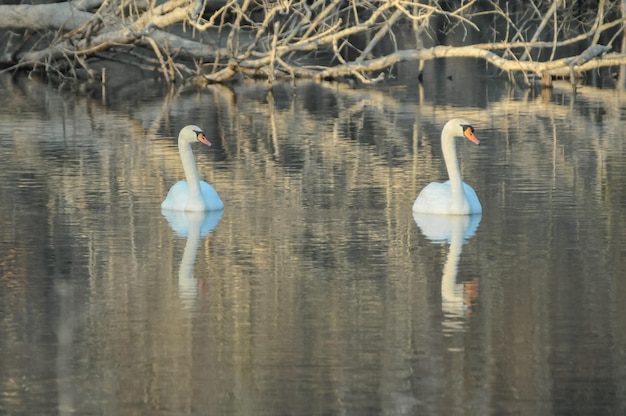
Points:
[(193, 194), (453, 196)]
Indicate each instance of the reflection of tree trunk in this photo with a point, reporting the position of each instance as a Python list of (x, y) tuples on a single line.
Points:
[(65, 341), (214, 42)]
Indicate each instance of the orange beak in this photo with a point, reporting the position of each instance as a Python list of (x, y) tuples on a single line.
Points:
[(202, 139), (469, 134)]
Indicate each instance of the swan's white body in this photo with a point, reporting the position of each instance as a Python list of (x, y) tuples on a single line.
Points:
[(453, 197), (192, 195)]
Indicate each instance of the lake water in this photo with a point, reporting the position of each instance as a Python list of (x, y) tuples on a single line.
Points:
[(316, 291)]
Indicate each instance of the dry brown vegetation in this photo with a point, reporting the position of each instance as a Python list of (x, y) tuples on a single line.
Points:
[(214, 41)]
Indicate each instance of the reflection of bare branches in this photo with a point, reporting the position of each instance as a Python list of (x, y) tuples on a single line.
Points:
[(253, 129), (272, 118), (307, 178)]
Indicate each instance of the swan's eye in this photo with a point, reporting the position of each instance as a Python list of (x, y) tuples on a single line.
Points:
[(467, 126)]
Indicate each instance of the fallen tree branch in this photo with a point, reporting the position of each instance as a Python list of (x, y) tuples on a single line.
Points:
[(320, 39)]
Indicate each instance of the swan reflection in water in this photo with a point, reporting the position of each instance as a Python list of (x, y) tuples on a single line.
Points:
[(194, 226), (456, 298)]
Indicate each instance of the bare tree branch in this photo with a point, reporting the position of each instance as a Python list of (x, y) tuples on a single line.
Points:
[(217, 40)]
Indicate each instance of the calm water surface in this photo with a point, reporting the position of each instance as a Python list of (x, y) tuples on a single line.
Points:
[(316, 291)]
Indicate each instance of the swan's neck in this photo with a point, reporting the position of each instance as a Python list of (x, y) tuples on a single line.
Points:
[(189, 165), (452, 165)]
